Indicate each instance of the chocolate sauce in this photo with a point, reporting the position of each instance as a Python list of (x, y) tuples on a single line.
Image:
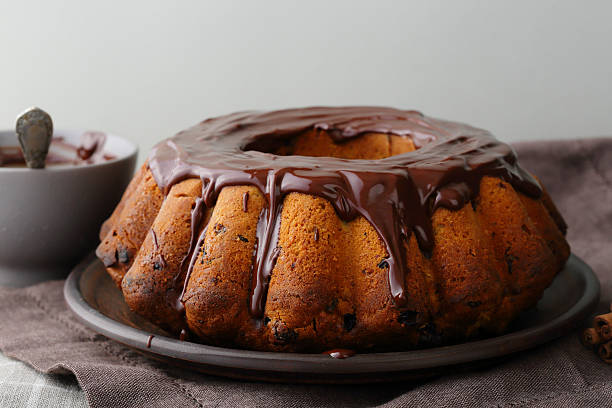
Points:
[(91, 144), (397, 194), (184, 335), (12, 156), (340, 353), (89, 151)]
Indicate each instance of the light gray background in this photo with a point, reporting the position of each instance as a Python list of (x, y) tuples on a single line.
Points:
[(146, 69)]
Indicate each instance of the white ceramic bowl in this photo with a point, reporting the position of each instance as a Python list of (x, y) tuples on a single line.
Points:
[(50, 218)]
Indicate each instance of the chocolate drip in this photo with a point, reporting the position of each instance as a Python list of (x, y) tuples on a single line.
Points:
[(161, 263), (184, 335), (197, 217), (245, 201), (149, 340), (194, 257), (397, 194), (266, 253)]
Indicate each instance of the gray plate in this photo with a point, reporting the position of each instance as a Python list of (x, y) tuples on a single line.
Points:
[(98, 303)]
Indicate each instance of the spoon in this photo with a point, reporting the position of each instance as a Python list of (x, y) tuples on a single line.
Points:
[(34, 130)]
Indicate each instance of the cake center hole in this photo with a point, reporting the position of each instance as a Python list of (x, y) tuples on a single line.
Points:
[(318, 143)]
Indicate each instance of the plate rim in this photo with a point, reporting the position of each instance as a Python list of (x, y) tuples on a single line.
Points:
[(162, 347)]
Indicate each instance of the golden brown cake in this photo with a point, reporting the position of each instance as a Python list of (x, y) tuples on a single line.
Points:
[(313, 229)]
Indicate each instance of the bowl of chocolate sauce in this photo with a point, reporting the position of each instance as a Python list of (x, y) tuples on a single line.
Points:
[(50, 218)]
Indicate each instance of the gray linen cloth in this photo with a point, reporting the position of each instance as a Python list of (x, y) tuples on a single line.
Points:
[(37, 328), (22, 386)]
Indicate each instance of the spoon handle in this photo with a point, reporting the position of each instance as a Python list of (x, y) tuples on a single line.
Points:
[(34, 130)]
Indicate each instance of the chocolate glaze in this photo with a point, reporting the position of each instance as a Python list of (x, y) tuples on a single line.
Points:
[(397, 194)]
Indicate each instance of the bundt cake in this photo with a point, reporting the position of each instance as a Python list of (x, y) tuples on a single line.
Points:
[(361, 228)]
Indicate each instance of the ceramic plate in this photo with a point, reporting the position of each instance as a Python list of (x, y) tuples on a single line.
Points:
[(98, 303)]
